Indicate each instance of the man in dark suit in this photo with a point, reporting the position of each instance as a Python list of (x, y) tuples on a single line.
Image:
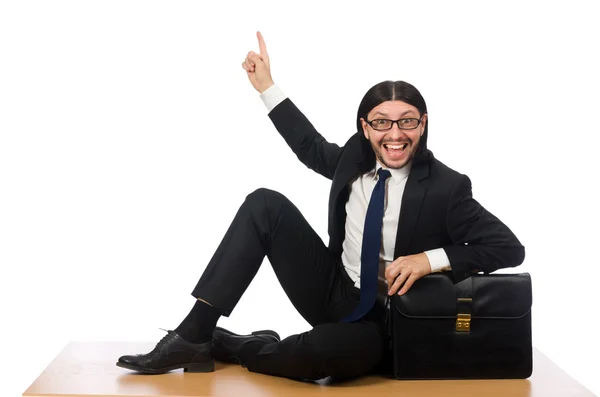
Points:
[(396, 214)]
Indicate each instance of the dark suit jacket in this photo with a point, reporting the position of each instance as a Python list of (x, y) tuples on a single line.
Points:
[(437, 210)]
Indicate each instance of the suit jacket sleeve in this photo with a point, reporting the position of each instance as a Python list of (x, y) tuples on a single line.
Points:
[(309, 146), (481, 241)]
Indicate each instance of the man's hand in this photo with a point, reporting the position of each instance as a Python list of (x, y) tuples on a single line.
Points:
[(406, 270), (258, 68)]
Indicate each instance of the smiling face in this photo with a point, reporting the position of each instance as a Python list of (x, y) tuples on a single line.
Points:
[(395, 147)]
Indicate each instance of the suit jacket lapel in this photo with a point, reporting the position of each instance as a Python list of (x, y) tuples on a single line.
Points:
[(351, 165), (345, 176), (413, 196)]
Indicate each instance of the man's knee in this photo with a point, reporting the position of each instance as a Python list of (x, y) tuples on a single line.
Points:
[(264, 198)]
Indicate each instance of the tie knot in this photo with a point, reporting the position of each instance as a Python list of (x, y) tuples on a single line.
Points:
[(383, 174)]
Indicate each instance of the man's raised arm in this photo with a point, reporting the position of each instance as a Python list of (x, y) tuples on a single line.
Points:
[(310, 147)]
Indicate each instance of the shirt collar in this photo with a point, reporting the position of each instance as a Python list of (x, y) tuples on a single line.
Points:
[(397, 175)]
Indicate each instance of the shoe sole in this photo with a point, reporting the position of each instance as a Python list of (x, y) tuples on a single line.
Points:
[(192, 367), (233, 359), (263, 332)]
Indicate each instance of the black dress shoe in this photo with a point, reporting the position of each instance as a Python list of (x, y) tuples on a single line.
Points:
[(227, 345), (172, 352)]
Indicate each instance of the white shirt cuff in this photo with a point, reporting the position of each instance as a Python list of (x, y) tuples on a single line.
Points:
[(272, 97), (438, 260)]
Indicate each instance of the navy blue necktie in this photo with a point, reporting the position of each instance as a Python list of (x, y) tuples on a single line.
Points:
[(371, 246)]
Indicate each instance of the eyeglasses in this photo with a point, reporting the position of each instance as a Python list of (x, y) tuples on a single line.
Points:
[(403, 124)]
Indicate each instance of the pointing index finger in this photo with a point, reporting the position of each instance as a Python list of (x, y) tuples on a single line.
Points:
[(261, 45)]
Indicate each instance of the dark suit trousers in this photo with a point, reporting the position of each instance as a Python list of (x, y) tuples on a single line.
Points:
[(268, 224)]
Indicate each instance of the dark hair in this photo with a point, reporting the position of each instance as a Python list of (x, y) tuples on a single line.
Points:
[(392, 91)]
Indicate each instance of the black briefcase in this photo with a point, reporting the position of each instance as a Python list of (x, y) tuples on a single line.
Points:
[(479, 328)]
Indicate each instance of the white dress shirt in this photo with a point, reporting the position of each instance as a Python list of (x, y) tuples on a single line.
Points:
[(361, 189)]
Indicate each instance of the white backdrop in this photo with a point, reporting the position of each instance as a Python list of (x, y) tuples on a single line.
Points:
[(130, 135)]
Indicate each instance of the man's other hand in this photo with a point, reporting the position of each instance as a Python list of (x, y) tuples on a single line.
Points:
[(406, 270), (258, 68)]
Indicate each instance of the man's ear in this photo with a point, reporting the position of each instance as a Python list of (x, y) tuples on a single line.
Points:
[(423, 123), (364, 127)]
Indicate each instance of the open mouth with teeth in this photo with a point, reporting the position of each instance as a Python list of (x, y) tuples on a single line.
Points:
[(395, 150)]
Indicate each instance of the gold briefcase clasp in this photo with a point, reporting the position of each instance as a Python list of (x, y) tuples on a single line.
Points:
[(463, 322)]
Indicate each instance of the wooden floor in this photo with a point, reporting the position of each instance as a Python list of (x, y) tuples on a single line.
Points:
[(88, 369)]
